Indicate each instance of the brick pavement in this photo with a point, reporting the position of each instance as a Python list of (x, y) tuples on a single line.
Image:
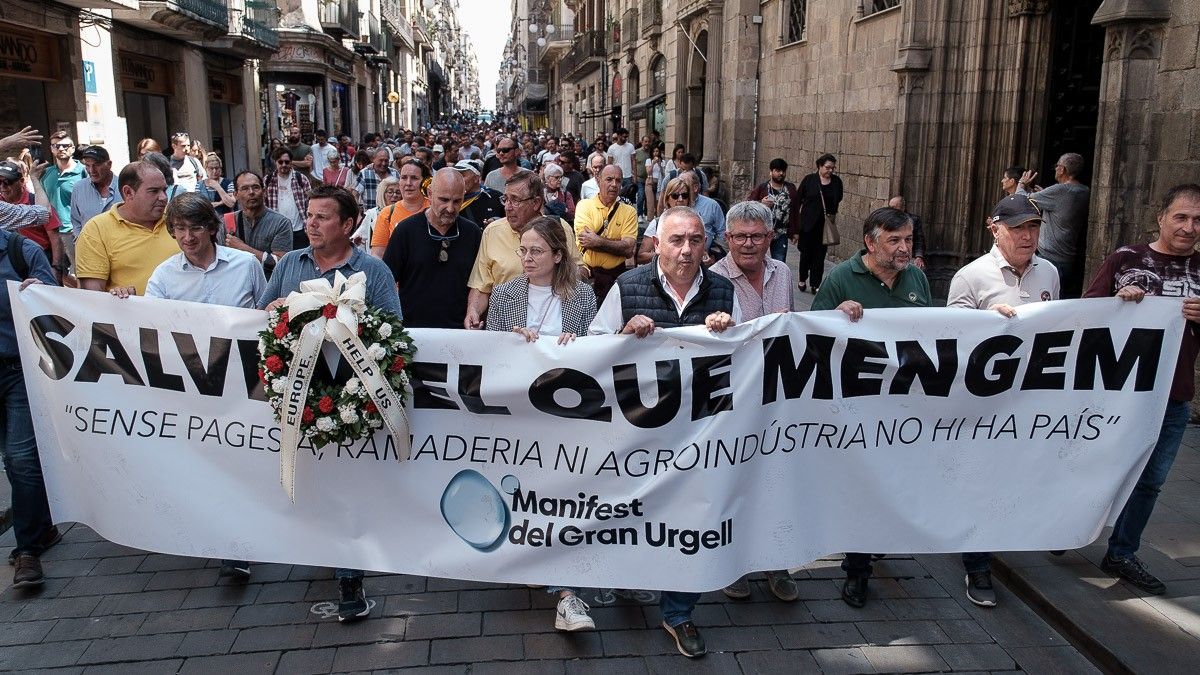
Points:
[(108, 608)]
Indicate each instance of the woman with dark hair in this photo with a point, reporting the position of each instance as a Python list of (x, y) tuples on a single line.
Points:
[(819, 193), (548, 298), (413, 175)]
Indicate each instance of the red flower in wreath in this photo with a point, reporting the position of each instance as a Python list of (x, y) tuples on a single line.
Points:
[(262, 377), (329, 311), (284, 318), (370, 408), (398, 364), (274, 364), (325, 404), (307, 416), (281, 329)]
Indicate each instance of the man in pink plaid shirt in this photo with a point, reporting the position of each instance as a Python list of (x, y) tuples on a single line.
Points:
[(286, 191)]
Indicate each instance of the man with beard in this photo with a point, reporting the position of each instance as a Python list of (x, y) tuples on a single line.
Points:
[(879, 276), (431, 255), (255, 229)]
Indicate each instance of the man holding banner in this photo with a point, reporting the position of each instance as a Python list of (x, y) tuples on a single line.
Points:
[(332, 217), (1008, 276), (1169, 266), (879, 276), (672, 290)]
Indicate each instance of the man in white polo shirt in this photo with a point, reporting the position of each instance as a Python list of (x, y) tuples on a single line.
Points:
[(1008, 276)]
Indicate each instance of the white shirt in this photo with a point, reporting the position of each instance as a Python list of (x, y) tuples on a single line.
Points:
[(319, 160), (622, 156), (287, 204), (234, 279), (589, 189), (610, 318), (990, 280), (544, 313)]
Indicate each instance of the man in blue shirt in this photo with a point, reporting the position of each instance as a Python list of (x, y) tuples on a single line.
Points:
[(332, 217), (91, 197), (710, 211), (35, 531)]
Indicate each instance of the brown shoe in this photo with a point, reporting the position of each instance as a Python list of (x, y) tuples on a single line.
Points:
[(48, 539), (29, 571)]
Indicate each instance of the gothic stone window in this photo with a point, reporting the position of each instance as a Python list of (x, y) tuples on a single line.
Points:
[(870, 7), (795, 20), (658, 75)]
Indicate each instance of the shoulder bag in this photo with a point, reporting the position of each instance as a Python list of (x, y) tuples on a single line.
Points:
[(829, 235)]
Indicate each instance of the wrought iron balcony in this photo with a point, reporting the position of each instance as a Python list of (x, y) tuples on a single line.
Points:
[(190, 20), (421, 29), (395, 20), (652, 16), (556, 42), (586, 55), (339, 18)]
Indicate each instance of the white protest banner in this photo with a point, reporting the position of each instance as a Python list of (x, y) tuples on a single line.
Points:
[(679, 461)]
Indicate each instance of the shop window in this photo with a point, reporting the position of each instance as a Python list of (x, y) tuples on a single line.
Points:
[(795, 24)]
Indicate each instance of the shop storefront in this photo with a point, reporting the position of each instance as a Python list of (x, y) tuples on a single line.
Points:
[(306, 86), (147, 83), (30, 78)]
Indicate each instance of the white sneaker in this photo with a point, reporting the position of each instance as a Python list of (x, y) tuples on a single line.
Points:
[(572, 614)]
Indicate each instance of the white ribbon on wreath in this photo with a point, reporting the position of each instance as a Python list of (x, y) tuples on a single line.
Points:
[(348, 296)]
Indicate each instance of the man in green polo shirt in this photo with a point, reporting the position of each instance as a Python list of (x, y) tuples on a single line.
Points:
[(881, 275)]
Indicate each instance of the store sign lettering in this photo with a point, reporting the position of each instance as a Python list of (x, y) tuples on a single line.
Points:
[(26, 53)]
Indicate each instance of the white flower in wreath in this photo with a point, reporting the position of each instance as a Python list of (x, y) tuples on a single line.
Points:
[(402, 345), (262, 345), (385, 330), (348, 415), (353, 386), (376, 351), (404, 377), (376, 423), (325, 424), (279, 385)]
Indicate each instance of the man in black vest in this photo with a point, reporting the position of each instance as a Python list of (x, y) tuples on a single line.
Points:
[(672, 290)]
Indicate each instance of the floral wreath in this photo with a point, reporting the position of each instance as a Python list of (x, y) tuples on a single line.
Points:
[(333, 412)]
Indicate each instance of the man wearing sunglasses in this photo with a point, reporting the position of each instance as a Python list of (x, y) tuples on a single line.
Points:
[(60, 179), (287, 192), (12, 191), (506, 152)]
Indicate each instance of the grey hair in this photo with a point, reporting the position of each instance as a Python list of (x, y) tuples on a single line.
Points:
[(381, 189), (552, 170), (685, 212), (1072, 164), (593, 156), (751, 212), (379, 150)]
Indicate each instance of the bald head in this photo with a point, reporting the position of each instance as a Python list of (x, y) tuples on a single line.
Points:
[(446, 193), (447, 178), (611, 170)]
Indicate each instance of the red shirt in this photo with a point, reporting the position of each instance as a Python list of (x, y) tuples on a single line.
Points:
[(38, 233)]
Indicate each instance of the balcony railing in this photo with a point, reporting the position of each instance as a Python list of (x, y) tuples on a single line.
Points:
[(394, 18), (587, 51), (558, 40), (629, 29), (214, 11), (421, 28), (652, 16), (339, 18), (255, 20)]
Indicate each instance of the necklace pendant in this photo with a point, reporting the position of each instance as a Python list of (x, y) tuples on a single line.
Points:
[(443, 255)]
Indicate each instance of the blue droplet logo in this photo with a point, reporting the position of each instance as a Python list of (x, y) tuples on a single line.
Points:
[(474, 509), (510, 484)]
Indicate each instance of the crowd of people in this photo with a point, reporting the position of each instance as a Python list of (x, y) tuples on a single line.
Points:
[(496, 229)]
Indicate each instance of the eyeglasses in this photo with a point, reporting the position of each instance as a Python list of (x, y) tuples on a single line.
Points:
[(283, 162), (756, 238), (63, 146), (513, 201), (679, 195), (193, 229), (445, 239), (533, 251), (505, 149)]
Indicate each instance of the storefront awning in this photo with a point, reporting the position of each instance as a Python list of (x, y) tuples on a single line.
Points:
[(646, 103)]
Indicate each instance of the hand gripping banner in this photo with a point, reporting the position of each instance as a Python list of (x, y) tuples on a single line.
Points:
[(348, 296)]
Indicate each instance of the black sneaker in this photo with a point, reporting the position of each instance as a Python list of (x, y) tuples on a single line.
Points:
[(687, 639), (353, 603), (854, 591), (1132, 570), (48, 539), (980, 590), (235, 570)]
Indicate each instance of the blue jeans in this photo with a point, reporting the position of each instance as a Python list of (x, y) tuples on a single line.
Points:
[(1127, 532), (677, 606), (779, 247), (31, 511), (641, 197)]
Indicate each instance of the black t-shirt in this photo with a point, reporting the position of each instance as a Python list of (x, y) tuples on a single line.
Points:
[(484, 208), (433, 293)]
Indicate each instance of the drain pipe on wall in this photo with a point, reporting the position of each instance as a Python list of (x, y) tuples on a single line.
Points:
[(758, 21)]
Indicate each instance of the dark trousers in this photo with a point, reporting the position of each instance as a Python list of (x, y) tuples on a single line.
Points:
[(603, 280), (857, 564), (812, 257), (31, 511)]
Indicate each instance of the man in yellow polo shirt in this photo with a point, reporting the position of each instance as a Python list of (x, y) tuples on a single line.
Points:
[(497, 261), (607, 230), (120, 248)]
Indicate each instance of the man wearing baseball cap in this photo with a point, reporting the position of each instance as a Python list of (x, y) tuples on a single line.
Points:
[(91, 197), (12, 191), (1004, 278), (480, 205)]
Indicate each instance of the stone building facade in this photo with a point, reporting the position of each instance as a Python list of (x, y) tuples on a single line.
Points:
[(931, 99)]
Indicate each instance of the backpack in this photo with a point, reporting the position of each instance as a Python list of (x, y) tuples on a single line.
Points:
[(16, 255)]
